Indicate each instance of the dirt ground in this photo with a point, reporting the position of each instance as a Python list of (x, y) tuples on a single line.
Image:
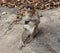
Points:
[(46, 41)]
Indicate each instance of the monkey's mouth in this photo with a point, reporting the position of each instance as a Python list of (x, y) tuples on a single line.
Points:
[(26, 22)]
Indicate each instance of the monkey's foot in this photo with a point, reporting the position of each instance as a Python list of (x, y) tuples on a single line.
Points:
[(21, 45)]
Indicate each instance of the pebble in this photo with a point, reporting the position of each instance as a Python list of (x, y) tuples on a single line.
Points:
[(3, 13)]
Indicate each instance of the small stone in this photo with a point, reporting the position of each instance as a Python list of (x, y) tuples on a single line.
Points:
[(15, 6), (3, 13), (18, 0)]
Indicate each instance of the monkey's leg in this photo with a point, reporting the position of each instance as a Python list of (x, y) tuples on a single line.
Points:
[(21, 45), (23, 39)]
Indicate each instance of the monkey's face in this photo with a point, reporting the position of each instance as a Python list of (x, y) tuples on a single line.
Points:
[(30, 11)]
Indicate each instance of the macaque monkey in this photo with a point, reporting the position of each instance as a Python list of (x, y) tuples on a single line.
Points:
[(30, 21)]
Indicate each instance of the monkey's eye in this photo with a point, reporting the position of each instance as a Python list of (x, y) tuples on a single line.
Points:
[(26, 22)]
